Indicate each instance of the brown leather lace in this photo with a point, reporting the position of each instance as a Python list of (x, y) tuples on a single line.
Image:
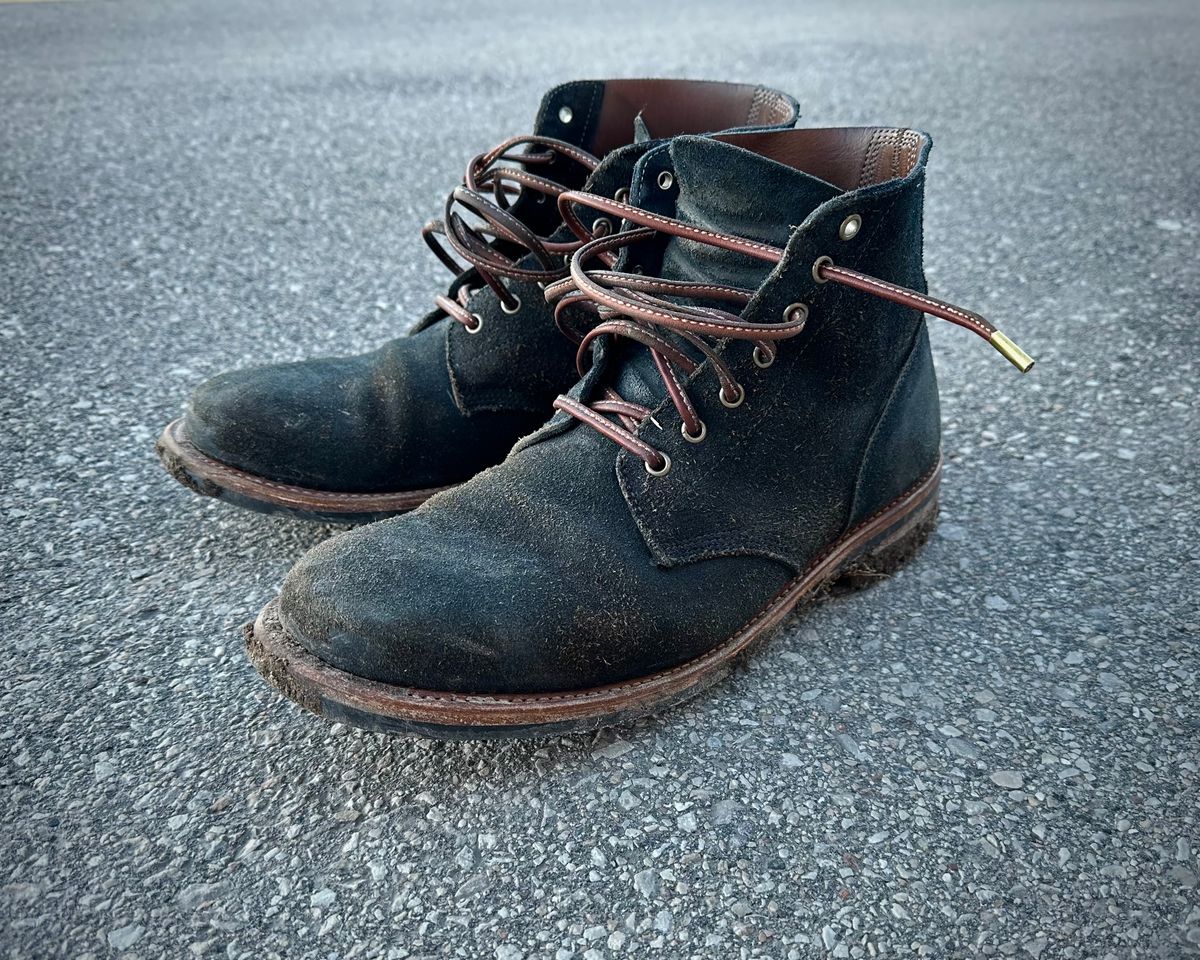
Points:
[(491, 181), (639, 308)]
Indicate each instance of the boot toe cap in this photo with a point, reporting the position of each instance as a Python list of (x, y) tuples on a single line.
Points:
[(242, 418), (325, 424), (399, 610)]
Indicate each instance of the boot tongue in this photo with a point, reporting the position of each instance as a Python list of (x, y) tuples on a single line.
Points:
[(726, 189)]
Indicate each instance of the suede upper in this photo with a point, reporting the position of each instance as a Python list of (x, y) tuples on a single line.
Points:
[(570, 566), (435, 407)]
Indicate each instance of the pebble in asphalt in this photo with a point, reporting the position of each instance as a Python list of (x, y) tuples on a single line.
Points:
[(992, 754)]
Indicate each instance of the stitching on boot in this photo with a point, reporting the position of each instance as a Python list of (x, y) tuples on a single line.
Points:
[(874, 145), (756, 105), (608, 690)]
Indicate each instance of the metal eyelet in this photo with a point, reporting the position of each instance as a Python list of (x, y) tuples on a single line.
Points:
[(601, 227), (850, 227), (622, 195), (514, 308), (660, 471), (817, 265), (796, 313), (478, 324), (666, 180), (762, 358), (734, 403), (566, 114), (694, 437)]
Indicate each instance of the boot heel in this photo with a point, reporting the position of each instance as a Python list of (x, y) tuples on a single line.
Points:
[(885, 557)]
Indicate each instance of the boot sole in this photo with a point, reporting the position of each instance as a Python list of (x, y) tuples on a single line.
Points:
[(202, 474), (871, 551)]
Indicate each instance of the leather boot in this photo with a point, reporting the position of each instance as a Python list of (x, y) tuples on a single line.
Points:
[(348, 439), (757, 418)]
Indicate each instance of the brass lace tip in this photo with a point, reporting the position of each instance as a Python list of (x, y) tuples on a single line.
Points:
[(1011, 352)]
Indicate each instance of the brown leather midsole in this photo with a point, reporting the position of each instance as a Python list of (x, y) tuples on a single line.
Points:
[(175, 443), (310, 681)]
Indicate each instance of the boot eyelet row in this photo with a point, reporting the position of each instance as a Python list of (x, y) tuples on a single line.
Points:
[(478, 324), (850, 227), (660, 471), (513, 309), (762, 359), (694, 437), (736, 401)]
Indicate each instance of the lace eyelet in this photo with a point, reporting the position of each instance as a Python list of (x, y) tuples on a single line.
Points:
[(796, 313), (478, 324), (762, 359), (622, 195), (660, 471), (666, 180), (850, 227), (601, 227), (736, 401), (514, 308), (566, 114), (817, 265), (694, 437)]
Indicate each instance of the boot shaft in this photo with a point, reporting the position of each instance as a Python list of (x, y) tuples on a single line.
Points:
[(844, 415)]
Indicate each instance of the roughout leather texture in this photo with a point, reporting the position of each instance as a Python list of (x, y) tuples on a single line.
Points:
[(435, 407), (568, 566)]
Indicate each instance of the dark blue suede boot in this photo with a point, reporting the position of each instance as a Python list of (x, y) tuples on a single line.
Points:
[(758, 418), (357, 438)]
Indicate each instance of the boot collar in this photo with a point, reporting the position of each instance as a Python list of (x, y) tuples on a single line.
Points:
[(599, 115)]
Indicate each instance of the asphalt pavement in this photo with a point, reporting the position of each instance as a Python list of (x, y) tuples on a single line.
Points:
[(994, 754)]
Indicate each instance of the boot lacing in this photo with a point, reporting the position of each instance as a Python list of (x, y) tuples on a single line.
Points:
[(641, 308), (492, 173)]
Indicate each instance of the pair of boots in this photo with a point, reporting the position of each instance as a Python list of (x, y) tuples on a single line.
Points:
[(728, 330)]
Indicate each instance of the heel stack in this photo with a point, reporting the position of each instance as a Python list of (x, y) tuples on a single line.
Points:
[(894, 549)]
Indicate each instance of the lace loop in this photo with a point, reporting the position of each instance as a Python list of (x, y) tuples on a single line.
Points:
[(490, 184)]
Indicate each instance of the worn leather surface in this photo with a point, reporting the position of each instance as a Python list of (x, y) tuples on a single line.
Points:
[(435, 407), (568, 566), (777, 479)]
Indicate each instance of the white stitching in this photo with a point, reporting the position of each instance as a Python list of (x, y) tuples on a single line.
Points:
[(939, 305)]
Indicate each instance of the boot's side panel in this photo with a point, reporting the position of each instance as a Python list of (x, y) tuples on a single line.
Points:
[(906, 439), (778, 474)]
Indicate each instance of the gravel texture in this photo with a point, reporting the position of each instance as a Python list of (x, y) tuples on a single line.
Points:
[(996, 753)]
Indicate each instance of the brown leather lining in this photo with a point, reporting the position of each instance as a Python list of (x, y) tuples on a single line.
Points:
[(674, 107), (846, 157)]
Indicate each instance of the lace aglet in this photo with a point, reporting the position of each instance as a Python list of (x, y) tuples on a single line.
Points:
[(1011, 352)]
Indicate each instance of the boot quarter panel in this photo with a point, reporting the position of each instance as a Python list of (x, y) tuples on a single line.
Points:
[(779, 476)]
